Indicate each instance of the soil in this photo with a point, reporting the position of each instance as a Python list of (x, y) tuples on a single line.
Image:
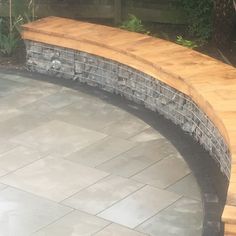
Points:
[(228, 55), (16, 61)]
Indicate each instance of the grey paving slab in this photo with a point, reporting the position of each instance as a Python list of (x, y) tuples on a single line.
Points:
[(25, 97), (118, 230), (98, 115), (183, 218), (103, 194), (3, 172), (9, 87), (6, 146), (138, 158), (146, 135), (20, 124), (2, 186), (188, 187), (30, 81), (164, 173), (73, 224), (51, 103), (22, 213), (101, 151), (15, 77), (139, 206), (7, 113), (18, 157), (59, 138), (53, 178), (126, 127)]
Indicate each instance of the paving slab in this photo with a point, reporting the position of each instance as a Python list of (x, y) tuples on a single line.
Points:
[(9, 87), (53, 178), (138, 158), (29, 95), (20, 124), (161, 175), (75, 223), (187, 187), (126, 127), (7, 146), (22, 213), (98, 116), (139, 206), (146, 135), (2, 186), (101, 151), (17, 157), (51, 103), (118, 230), (103, 194), (8, 112), (183, 218), (45, 138)]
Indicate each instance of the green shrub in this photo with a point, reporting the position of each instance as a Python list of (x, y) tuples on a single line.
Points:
[(8, 44), (22, 11), (200, 15), (186, 43), (134, 24)]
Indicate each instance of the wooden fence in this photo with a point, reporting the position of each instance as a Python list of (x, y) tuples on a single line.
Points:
[(162, 11)]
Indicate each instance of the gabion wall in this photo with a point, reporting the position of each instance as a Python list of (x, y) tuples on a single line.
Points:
[(134, 85)]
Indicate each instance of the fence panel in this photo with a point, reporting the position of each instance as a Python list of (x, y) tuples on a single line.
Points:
[(148, 10)]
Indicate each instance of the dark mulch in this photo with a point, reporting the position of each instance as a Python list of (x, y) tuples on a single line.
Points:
[(16, 61), (224, 55)]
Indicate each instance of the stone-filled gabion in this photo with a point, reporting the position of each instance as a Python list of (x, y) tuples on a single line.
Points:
[(134, 85)]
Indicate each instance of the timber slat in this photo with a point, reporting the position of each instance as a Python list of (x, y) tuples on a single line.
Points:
[(230, 229), (229, 215), (210, 83)]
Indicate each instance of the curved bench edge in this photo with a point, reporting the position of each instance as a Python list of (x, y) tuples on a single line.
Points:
[(158, 71)]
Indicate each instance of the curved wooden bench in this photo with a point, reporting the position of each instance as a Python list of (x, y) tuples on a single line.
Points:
[(183, 78)]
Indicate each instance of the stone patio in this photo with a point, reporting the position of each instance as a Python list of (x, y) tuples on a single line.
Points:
[(73, 164)]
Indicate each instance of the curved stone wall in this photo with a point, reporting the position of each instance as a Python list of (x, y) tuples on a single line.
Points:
[(135, 85)]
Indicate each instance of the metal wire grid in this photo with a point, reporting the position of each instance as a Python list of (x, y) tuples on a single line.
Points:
[(112, 70)]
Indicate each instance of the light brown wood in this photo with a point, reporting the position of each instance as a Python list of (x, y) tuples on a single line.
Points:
[(230, 229), (210, 83), (229, 215)]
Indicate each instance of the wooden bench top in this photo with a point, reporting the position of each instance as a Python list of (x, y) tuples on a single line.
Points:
[(209, 82)]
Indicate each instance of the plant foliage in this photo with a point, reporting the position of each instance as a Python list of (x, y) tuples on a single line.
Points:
[(186, 43), (20, 11), (134, 24), (200, 15), (8, 44)]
